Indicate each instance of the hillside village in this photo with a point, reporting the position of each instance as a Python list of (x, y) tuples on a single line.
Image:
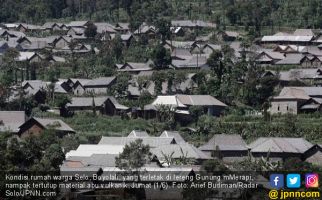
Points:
[(75, 95)]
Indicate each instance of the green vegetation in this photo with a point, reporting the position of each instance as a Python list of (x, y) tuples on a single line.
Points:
[(255, 16)]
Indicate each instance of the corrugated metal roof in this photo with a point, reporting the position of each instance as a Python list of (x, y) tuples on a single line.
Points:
[(225, 143), (11, 120), (280, 145)]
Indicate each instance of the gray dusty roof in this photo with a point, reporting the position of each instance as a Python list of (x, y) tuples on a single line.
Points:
[(303, 32), (104, 27), (152, 141), (100, 160), (11, 120), (310, 91), (179, 150), (88, 101), (280, 145), (292, 94), (173, 134), (200, 100), (225, 143), (55, 124), (291, 59), (102, 81), (137, 133), (195, 61), (77, 23)]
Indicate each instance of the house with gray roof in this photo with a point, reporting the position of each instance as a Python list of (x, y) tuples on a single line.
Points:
[(78, 24), (36, 126), (181, 54), (11, 34), (296, 60), (227, 35), (314, 155), (279, 148), (297, 99), (210, 48), (194, 62), (134, 68), (138, 134), (10, 121), (179, 104), (3, 46), (99, 85), (39, 88), (267, 57), (229, 148), (104, 105)]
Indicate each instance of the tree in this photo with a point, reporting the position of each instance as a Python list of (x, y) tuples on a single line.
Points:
[(196, 112), (117, 47), (161, 57), (90, 30), (61, 101), (122, 84), (163, 27), (134, 156), (10, 66), (158, 78)]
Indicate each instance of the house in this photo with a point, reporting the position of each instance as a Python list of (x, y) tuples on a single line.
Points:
[(296, 60), (279, 148), (177, 151), (126, 38), (98, 86), (227, 35), (194, 62), (211, 105), (80, 48), (229, 148), (11, 34), (53, 26), (38, 89), (191, 25), (210, 48), (29, 27), (286, 38), (134, 68), (177, 31), (36, 126), (10, 121), (104, 105), (171, 45), (314, 155), (309, 76), (180, 104), (3, 46), (269, 57), (147, 30), (181, 54), (29, 57), (122, 27), (297, 99), (73, 31), (103, 27), (61, 42), (77, 85), (78, 24)]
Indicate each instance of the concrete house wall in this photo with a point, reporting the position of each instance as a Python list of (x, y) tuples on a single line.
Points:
[(283, 107)]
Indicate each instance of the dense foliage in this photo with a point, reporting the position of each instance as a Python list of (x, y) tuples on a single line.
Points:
[(254, 15)]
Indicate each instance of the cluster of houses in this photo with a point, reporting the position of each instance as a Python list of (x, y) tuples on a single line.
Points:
[(171, 154)]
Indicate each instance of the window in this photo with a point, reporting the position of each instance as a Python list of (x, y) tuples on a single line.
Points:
[(287, 108), (278, 108)]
